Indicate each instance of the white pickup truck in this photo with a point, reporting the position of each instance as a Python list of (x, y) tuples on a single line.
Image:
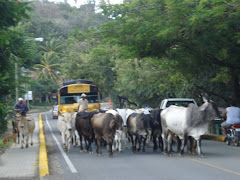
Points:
[(177, 102)]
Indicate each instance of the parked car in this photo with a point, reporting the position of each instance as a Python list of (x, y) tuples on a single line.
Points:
[(55, 112), (177, 102), (105, 106)]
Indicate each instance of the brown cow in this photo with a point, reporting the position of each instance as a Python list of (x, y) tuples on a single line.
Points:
[(84, 128), (105, 126), (26, 127)]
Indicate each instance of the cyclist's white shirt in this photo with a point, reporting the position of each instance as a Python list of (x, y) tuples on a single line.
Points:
[(233, 115)]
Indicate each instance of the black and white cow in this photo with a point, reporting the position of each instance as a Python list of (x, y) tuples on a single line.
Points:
[(138, 128)]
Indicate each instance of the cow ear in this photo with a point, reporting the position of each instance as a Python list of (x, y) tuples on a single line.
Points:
[(112, 124), (205, 97)]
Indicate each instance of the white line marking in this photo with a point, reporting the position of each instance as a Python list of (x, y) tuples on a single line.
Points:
[(72, 168)]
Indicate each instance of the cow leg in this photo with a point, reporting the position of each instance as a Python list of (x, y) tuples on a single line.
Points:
[(98, 150), (86, 143), (169, 140), (120, 143), (164, 135), (115, 143), (109, 142), (21, 140), (27, 137), (160, 142), (154, 143), (179, 143), (69, 139), (182, 146), (77, 142), (199, 147), (63, 140), (189, 144), (31, 138), (133, 143), (144, 144), (18, 135), (125, 137), (194, 147), (139, 139), (80, 145), (90, 146)]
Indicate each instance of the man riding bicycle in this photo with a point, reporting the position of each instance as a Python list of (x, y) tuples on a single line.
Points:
[(21, 107)]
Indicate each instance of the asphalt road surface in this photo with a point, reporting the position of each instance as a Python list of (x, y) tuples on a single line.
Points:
[(220, 162)]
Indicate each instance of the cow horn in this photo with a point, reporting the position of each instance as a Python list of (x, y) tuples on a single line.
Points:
[(112, 124)]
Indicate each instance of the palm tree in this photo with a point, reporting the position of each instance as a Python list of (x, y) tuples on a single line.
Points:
[(46, 69), (52, 46)]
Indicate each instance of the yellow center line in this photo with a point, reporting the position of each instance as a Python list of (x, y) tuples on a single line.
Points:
[(217, 167), (43, 159)]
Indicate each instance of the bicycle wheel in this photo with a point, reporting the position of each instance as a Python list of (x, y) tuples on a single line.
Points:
[(228, 141), (237, 141)]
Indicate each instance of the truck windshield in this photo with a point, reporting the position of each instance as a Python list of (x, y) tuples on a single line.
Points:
[(179, 103)]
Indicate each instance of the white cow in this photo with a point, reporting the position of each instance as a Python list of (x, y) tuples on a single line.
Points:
[(76, 138), (125, 113), (66, 125), (119, 133), (26, 127), (187, 121)]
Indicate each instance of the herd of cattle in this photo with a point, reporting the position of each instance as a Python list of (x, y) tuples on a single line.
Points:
[(185, 124)]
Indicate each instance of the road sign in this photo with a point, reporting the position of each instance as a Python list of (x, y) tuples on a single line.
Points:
[(28, 95)]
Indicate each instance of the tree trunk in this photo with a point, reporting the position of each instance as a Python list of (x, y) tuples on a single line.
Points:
[(236, 88), (47, 100)]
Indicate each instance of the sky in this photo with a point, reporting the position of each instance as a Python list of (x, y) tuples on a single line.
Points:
[(80, 2)]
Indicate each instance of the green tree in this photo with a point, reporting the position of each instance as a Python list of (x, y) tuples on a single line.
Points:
[(47, 69), (199, 39), (12, 43)]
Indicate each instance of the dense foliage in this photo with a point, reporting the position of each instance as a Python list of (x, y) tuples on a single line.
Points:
[(13, 49), (191, 46)]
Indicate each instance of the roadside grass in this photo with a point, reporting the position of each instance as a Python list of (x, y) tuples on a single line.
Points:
[(4, 146), (40, 108)]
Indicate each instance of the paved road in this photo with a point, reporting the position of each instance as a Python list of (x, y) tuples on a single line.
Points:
[(220, 162)]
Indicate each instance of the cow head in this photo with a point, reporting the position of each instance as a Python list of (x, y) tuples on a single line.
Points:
[(67, 118), (22, 121), (147, 124), (18, 117), (119, 122), (155, 115), (209, 108)]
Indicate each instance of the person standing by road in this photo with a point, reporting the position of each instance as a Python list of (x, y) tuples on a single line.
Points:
[(21, 107), (232, 114), (83, 103)]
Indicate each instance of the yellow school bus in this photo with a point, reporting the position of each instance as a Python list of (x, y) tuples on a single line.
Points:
[(70, 93)]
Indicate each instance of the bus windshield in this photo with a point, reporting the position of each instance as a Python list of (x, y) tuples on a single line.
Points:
[(74, 98)]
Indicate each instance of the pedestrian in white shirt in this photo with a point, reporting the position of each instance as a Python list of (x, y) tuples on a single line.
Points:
[(83, 103)]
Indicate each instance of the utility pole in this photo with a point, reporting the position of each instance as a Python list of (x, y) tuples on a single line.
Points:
[(16, 78)]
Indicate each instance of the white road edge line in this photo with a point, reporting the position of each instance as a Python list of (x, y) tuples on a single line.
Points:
[(68, 161)]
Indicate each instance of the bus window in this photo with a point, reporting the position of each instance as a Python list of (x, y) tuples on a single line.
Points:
[(68, 99), (92, 98)]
